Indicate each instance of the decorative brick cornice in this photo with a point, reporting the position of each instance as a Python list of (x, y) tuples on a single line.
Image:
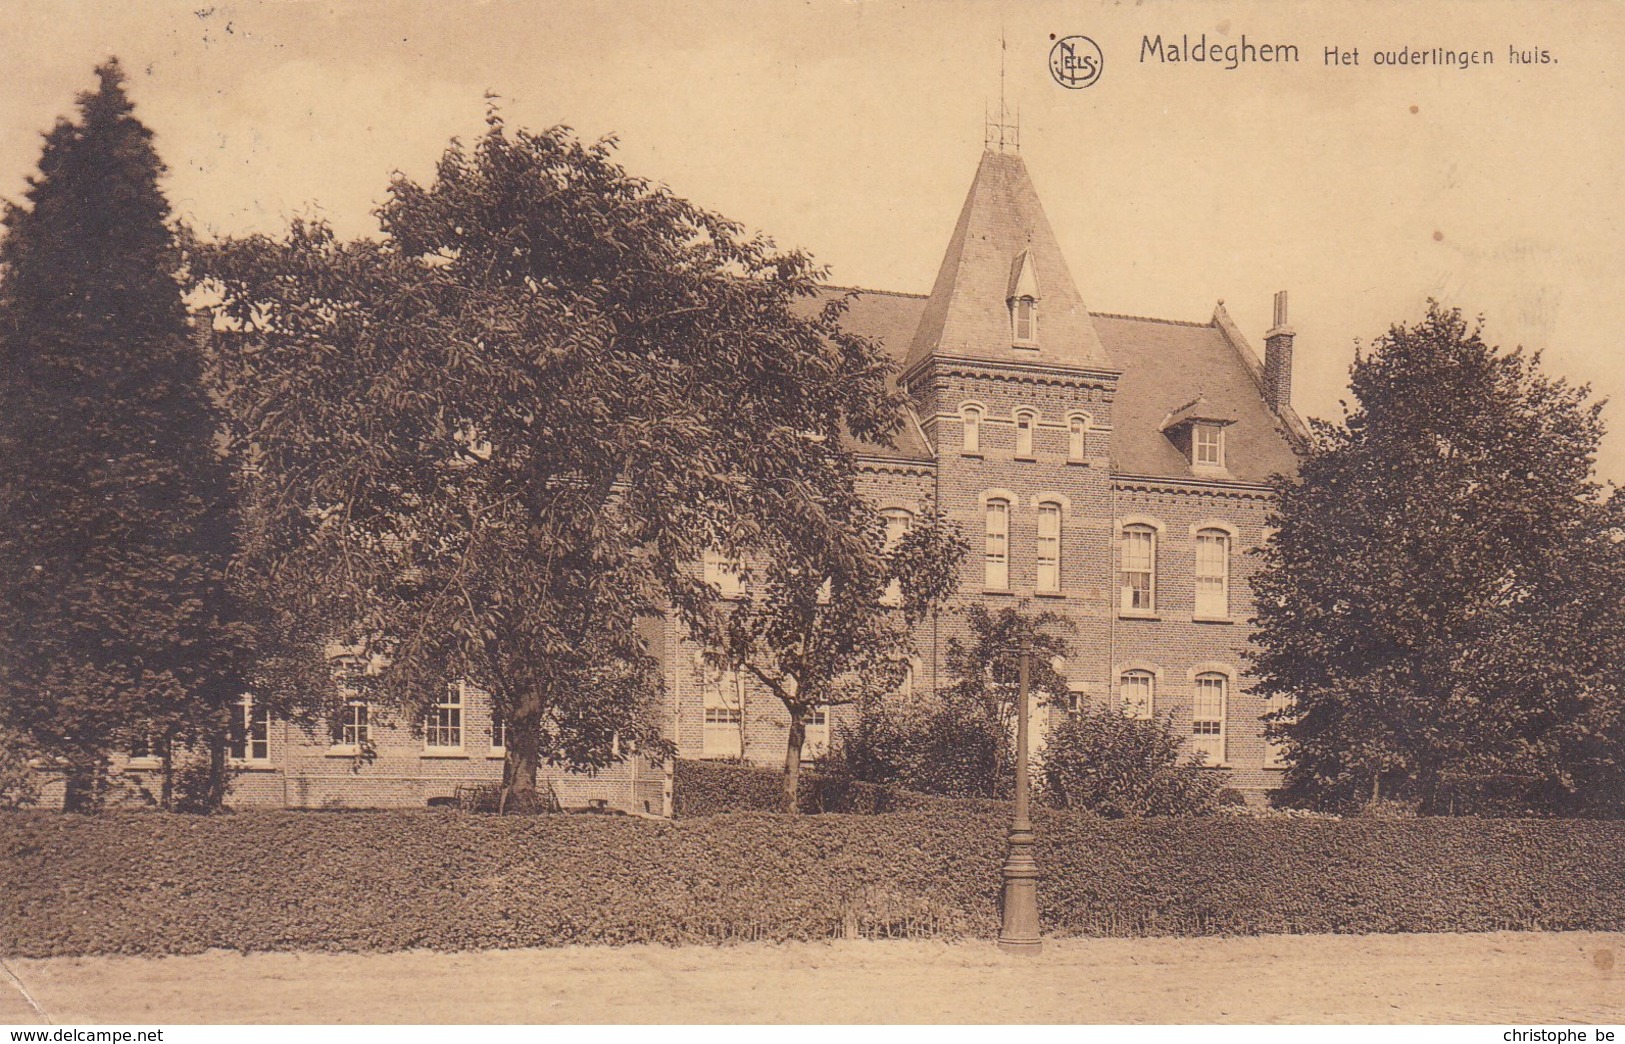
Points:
[(891, 466), (1192, 487), (1015, 372)]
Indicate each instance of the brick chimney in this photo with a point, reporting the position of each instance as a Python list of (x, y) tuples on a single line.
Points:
[(1278, 358)]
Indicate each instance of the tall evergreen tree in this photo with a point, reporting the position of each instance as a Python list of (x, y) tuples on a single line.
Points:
[(114, 519), (1442, 600)]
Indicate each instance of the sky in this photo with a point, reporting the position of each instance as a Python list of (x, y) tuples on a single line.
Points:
[(852, 130)]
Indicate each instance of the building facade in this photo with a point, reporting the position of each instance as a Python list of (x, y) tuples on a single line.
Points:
[(1112, 469)]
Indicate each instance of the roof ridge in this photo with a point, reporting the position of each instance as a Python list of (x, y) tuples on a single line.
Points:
[(870, 290), (1152, 319)]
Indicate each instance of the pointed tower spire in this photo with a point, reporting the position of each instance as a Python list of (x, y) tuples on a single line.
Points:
[(1003, 254)]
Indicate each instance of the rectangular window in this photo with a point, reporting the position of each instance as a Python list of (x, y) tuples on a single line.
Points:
[(1139, 569), (973, 430), (1207, 717), (444, 729), (722, 574), (1275, 752), (997, 576), (724, 712), (499, 730), (1026, 313), (816, 742), (251, 732), (1207, 441), (1024, 434), (351, 728), (1049, 548), (1138, 690), (1213, 574)]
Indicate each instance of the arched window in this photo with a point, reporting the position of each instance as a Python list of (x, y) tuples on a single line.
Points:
[(898, 522), (1024, 320), (997, 576), (1138, 690), (1049, 547), (972, 416), (1026, 421), (1207, 715), (1212, 574), (1139, 569), (1077, 437)]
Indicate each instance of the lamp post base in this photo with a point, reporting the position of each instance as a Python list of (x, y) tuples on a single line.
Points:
[(1019, 933)]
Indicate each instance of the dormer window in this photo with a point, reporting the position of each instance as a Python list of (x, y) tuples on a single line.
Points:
[(1197, 428), (1023, 302), (1025, 314), (1207, 445)]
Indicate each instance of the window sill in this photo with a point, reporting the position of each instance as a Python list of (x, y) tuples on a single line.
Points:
[(1276, 768), (973, 454), (1213, 619), (1001, 591), (1077, 463), (1024, 346), (1218, 765), (447, 754), (256, 765), (145, 764), (1025, 460), (1049, 594), (1137, 614), (497, 754), (343, 752)]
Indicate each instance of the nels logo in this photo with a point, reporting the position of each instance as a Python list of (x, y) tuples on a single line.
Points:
[(1075, 62)]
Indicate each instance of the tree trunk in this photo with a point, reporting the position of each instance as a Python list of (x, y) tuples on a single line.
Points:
[(792, 761), (166, 793), (522, 759)]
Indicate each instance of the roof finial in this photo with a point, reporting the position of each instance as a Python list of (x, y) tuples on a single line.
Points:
[(1001, 129)]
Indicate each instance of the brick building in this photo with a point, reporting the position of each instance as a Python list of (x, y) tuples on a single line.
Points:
[(1110, 468)]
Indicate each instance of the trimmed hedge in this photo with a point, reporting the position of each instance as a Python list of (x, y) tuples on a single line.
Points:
[(153, 883), (712, 788)]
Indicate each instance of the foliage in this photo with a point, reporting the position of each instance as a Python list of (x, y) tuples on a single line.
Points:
[(963, 743), (495, 443), (1442, 595), (115, 505), (1103, 761), (19, 782), (828, 610), (709, 788), (133, 883)]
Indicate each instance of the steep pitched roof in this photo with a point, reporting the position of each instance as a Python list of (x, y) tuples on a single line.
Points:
[(1165, 366), (1003, 239)]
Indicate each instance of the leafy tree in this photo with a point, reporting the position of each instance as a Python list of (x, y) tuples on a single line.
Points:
[(1442, 597), (19, 782), (828, 617), (1104, 761), (115, 520), (963, 743), (495, 444)]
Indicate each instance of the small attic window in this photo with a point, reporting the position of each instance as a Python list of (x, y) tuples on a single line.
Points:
[(1024, 320), (1207, 445)]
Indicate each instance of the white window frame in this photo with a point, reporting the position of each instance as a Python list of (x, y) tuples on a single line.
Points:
[(971, 416), (354, 729), (1138, 599), (1024, 312), (1212, 585), (815, 739), (1207, 445), (723, 712), (898, 523), (1274, 751), (723, 574), (146, 750), (996, 555), (1132, 705), (1077, 437), (496, 731), (443, 724), (253, 729), (1026, 422), (1049, 547), (1209, 733)]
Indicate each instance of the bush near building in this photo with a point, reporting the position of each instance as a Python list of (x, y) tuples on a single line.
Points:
[(141, 883)]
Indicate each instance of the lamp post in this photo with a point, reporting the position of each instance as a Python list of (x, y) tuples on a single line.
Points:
[(1019, 933)]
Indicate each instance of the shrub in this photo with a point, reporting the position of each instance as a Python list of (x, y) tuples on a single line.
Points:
[(276, 880), (19, 782), (1105, 762), (709, 788)]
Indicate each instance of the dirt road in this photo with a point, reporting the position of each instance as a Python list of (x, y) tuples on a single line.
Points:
[(1497, 978)]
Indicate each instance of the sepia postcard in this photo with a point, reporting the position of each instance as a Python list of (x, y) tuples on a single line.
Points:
[(521, 513)]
